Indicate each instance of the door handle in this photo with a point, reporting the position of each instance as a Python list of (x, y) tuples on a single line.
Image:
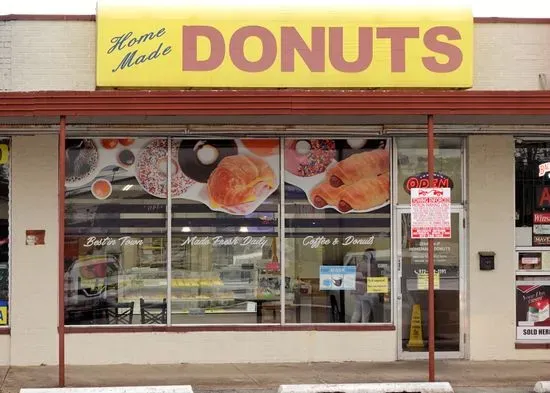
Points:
[(399, 266)]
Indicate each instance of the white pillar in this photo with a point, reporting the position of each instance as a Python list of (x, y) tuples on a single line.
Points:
[(491, 294), (33, 313)]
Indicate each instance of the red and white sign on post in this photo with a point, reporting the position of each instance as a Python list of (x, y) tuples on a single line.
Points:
[(431, 213)]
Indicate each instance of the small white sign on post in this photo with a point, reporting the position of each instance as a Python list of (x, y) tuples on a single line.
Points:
[(431, 213)]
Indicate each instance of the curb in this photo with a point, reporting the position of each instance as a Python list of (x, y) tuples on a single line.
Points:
[(542, 387), (122, 389), (402, 387)]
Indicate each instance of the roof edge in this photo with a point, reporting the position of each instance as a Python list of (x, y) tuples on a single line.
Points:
[(91, 18), (46, 17)]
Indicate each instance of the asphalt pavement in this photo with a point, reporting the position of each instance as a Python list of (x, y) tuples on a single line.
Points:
[(464, 376)]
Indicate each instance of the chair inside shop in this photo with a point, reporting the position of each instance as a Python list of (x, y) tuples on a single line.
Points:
[(120, 313), (153, 312)]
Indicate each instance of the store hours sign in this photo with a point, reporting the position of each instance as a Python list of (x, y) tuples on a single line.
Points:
[(431, 213)]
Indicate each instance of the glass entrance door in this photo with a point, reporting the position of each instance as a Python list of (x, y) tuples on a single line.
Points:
[(412, 266)]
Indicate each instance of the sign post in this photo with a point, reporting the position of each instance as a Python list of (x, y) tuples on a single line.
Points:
[(431, 219), (61, 261)]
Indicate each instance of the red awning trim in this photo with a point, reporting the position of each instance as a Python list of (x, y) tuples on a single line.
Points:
[(273, 102)]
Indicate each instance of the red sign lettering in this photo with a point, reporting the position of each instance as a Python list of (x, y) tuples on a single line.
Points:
[(236, 49), (453, 53), (422, 181), (544, 199), (364, 50), (313, 53), (397, 36), (191, 35), (313, 57), (541, 218)]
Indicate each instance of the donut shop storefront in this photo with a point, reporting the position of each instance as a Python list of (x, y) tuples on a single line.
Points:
[(241, 193)]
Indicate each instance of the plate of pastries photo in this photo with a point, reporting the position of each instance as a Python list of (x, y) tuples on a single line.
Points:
[(232, 176), (346, 175), (153, 166), (81, 162), (198, 158)]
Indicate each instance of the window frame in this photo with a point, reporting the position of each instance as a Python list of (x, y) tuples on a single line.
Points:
[(520, 274), (5, 329)]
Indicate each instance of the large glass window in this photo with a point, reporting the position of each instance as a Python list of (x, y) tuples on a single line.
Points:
[(532, 177), (412, 166), (115, 230), (209, 252), (225, 265), (337, 228)]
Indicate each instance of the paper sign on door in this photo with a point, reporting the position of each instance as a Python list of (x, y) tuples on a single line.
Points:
[(378, 285), (422, 281)]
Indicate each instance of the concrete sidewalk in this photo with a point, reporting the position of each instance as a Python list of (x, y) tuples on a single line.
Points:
[(465, 376)]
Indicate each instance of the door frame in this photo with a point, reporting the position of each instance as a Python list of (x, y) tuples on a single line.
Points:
[(397, 273)]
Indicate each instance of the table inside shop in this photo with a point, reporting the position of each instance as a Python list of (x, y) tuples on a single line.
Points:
[(90, 312), (277, 301)]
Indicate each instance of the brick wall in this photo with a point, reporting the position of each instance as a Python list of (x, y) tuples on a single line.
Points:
[(511, 56), (5, 56), (53, 55), (60, 55)]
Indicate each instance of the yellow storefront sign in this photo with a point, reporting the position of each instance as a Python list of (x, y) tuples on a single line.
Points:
[(194, 44)]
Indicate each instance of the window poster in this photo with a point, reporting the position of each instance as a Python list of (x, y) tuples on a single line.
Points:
[(530, 260), (351, 175), (231, 176), (236, 176), (431, 213), (533, 312), (337, 278)]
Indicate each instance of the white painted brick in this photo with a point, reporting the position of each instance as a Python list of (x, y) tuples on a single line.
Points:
[(5, 56), (53, 55), (510, 56), (60, 55)]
